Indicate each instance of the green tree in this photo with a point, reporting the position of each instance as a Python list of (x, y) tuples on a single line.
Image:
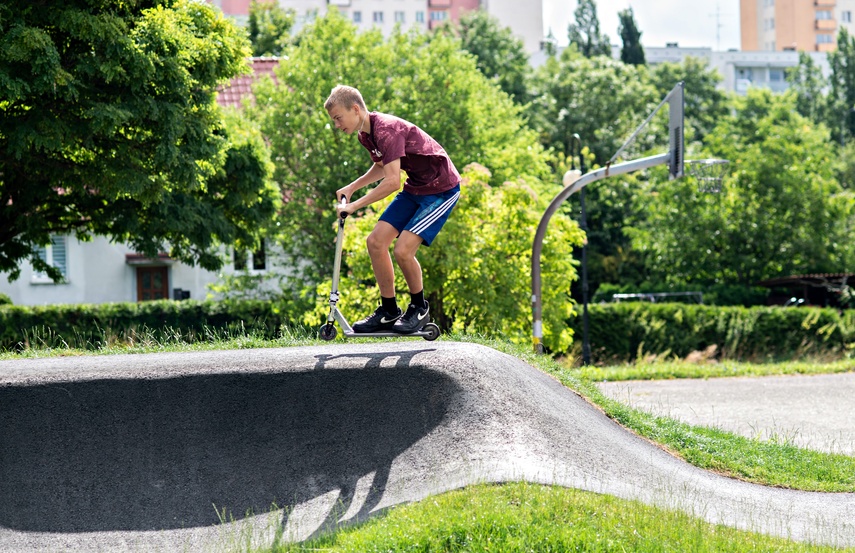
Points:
[(781, 211), (426, 80), (269, 27), (632, 52), (705, 102), (550, 44), (600, 99), (499, 55), (841, 95), (603, 101), (109, 126), (807, 81), (585, 32)]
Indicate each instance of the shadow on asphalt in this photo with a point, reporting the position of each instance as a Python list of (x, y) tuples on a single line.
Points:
[(110, 455)]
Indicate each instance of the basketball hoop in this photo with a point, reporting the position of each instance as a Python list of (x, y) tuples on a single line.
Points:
[(709, 173)]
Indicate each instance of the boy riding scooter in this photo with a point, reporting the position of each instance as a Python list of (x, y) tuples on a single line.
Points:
[(416, 214)]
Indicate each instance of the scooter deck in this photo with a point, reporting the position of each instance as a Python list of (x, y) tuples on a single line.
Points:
[(328, 331), (352, 334)]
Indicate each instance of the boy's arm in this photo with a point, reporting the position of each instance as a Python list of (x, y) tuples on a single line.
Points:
[(391, 183), (374, 173)]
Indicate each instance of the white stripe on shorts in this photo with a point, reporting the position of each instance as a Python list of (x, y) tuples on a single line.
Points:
[(422, 225)]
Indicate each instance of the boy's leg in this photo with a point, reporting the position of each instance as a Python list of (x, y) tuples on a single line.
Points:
[(384, 317), (378, 250), (405, 255), (421, 229)]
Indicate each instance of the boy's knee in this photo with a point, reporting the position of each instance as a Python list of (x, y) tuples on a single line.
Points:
[(403, 252), (375, 243), (399, 254)]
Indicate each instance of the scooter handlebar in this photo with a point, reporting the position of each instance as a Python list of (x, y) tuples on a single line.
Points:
[(342, 204)]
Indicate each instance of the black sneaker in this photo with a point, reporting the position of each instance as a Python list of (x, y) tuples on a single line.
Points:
[(378, 321), (413, 320)]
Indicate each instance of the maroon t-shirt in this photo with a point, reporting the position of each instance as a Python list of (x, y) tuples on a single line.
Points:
[(429, 169)]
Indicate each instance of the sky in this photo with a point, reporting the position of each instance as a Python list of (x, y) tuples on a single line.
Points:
[(690, 23)]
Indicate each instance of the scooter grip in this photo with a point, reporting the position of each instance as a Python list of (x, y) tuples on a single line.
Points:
[(342, 204)]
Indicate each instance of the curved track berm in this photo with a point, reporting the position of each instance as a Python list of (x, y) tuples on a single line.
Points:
[(154, 452)]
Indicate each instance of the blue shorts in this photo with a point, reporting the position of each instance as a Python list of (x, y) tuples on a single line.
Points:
[(421, 215)]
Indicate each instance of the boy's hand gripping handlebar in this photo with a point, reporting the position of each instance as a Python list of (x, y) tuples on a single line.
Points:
[(342, 203)]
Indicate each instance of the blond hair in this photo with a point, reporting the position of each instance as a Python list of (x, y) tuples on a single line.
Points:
[(344, 96)]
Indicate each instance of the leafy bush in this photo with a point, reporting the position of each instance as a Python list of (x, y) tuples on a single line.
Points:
[(91, 326), (621, 332)]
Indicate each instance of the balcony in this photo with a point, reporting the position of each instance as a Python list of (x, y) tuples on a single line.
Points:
[(824, 3), (826, 47), (825, 25), (441, 4)]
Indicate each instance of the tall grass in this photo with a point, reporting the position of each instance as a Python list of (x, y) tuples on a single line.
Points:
[(528, 518)]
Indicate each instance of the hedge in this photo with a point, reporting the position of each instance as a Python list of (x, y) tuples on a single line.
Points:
[(621, 332), (89, 326)]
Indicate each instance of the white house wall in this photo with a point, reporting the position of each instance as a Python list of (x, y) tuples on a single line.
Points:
[(98, 273)]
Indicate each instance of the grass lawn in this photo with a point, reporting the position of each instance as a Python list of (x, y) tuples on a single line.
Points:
[(528, 518)]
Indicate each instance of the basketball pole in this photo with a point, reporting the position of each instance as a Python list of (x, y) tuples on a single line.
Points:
[(674, 158), (584, 180)]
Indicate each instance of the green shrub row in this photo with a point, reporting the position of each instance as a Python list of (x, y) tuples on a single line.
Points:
[(621, 332), (90, 326)]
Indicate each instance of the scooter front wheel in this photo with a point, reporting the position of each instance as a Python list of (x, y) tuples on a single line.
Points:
[(328, 332), (432, 332)]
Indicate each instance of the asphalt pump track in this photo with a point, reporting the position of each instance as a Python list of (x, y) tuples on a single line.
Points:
[(207, 451)]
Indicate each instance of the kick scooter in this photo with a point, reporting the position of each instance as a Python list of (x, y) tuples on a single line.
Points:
[(328, 331)]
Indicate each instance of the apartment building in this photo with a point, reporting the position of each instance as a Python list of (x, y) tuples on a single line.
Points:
[(797, 25), (525, 19), (742, 70)]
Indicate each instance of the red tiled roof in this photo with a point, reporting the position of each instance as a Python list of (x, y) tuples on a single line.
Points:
[(232, 95)]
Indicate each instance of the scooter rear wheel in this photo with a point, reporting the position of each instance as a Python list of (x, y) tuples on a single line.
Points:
[(432, 332), (327, 332)]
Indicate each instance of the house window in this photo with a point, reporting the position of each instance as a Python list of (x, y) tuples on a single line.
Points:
[(399, 17), (776, 75), (256, 260), (420, 17), (55, 255), (823, 14), (378, 17), (259, 258), (438, 16), (846, 16), (357, 17), (824, 39), (152, 283)]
